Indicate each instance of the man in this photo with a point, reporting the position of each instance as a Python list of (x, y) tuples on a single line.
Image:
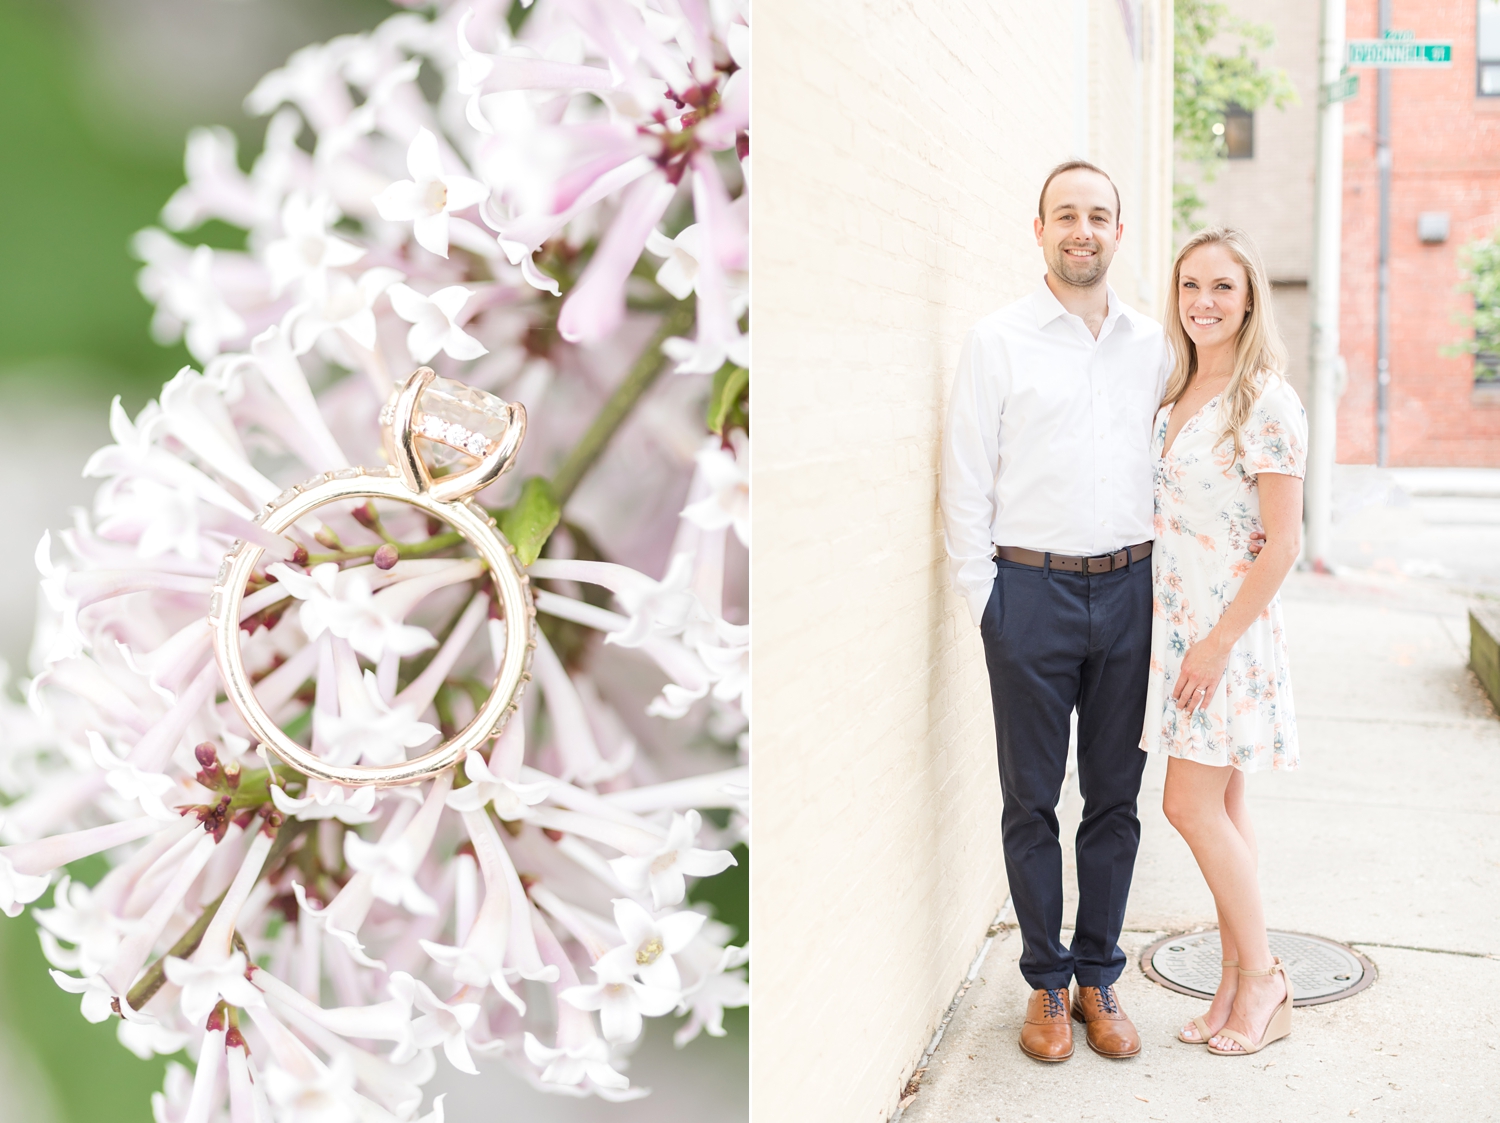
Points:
[(1047, 504)]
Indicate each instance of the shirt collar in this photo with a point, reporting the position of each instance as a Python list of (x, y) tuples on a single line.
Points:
[(1049, 308)]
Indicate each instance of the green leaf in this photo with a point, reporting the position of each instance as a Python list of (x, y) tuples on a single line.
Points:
[(1480, 263), (531, 520), (1206, 83), (728, 404)]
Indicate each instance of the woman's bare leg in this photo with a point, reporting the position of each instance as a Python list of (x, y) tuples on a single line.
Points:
[(1229, 977), (1207, 806)]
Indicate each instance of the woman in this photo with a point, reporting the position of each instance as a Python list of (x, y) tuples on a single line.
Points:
[(1229, 447)]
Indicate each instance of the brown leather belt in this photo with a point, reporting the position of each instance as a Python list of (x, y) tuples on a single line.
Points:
[(1069, 563)]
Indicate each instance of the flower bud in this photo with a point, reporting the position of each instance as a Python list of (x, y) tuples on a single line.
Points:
[(386, 556), (209, 774), (364, 514)]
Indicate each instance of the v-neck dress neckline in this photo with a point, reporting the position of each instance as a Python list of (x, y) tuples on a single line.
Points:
[(1166, 450)]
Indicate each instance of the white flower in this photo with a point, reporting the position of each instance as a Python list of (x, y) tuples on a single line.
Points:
[(170, 1105), (511, 800), (322, 1095), (663, 870), (650, 944), (434, 321), (368, 730), (306, 248), (204, 983), (339, 302), (18, 889), (657, 609), (147, 1038), (707, 1002), (66, 640), (679, 272), (77, 917), (441, 1023), (725, 651), (620, 1000), (189, 303), (164, 520), (661, 608), (131, 782), (98, 996), (728, 478), (343, 604), (586, 1063), (392, 867), (429, 197), (327, 801)]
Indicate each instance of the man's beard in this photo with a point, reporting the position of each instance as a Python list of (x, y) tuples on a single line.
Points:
[(1081, 273)]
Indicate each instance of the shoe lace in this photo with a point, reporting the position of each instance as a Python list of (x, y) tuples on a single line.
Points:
[(1057, 1002), (1107, 1003)]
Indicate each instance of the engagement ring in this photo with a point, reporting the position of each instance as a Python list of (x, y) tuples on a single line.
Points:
[(467, 429)]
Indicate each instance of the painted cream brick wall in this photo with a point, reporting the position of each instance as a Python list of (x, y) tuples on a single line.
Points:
[(898, 149)]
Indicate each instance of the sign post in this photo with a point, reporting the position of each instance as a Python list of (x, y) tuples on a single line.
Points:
[(1337, 86), (1392, 49)]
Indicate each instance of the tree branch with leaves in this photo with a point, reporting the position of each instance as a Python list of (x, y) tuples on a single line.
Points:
[(1207, 83)]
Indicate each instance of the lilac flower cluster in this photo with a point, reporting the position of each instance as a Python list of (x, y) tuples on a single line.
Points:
[(550, 204)]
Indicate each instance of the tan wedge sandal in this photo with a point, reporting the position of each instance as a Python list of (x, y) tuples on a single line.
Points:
[(1202, 1025), (1278, 1027)]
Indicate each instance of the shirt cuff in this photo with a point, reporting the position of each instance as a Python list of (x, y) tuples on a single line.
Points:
[(975, 579)]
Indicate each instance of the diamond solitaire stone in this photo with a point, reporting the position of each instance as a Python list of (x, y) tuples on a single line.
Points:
[(457, 419)]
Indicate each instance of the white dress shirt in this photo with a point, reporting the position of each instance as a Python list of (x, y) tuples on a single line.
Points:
[(1048, 439)]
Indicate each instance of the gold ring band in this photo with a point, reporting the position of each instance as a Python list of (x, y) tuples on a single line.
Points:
[(451, 504)]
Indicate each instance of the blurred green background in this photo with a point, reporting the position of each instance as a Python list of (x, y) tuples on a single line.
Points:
[(96, 97)]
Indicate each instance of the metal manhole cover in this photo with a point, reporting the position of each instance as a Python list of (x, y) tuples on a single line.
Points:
[(1321, 970)]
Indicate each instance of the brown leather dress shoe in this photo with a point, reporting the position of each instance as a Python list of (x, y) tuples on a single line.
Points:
[(1110, 1030), (1047, 1034)]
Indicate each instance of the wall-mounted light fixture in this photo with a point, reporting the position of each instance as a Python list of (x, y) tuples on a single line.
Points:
[(1432, 227)]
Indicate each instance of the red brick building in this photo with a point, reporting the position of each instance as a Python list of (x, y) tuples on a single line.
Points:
[(1445, 148)]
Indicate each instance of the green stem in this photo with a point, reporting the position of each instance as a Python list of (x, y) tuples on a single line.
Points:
[(151, 982), (403, 549), (612, 415)]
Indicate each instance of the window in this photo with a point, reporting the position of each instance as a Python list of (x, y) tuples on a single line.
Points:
[(1489, 48), (1239, 130)]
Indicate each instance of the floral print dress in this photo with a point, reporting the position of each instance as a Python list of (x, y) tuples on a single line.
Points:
[(1207, 505)]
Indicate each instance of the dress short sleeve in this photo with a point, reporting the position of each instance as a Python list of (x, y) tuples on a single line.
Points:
[(1275, 434)]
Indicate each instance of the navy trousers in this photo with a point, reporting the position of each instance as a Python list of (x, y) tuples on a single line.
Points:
[(1055, 642)]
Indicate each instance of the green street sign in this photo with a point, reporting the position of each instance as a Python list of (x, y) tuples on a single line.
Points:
[(1342, 88), (1399, 52)]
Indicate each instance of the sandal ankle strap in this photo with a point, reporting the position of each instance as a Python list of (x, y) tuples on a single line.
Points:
[(1229, 963), (1271, 970)]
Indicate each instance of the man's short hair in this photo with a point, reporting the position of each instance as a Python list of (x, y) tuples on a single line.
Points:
[(1068, 166)]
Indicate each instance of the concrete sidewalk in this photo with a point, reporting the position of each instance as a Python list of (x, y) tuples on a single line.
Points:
[(1387, 838)]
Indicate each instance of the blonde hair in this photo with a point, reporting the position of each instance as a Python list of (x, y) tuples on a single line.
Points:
[(1258, 351)]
